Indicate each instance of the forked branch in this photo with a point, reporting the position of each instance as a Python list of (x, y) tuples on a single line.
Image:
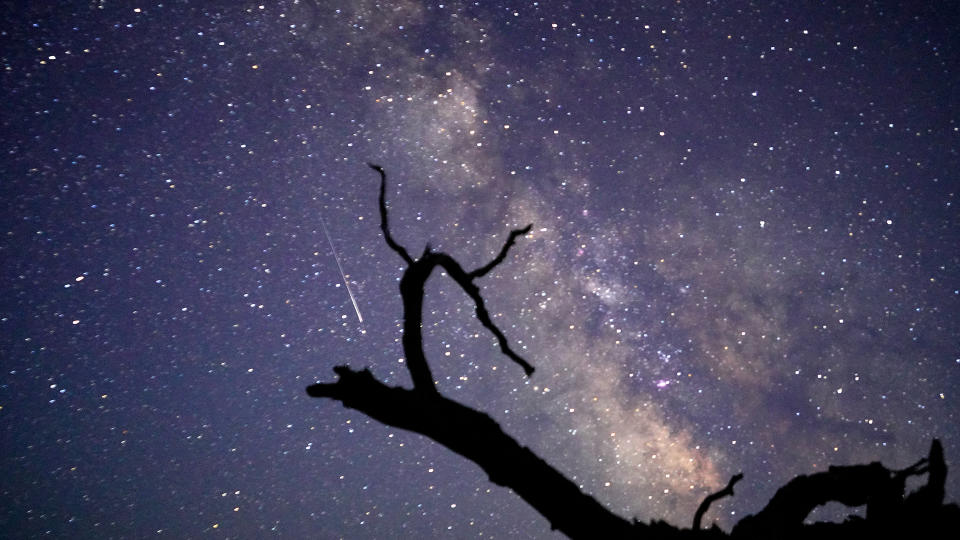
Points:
[(480, 439), (412, 289)]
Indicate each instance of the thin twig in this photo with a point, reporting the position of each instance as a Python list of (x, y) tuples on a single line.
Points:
[(480, 272), (455, 271), (383, 216)]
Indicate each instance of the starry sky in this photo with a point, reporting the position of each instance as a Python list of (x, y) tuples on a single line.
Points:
[(744, 255)]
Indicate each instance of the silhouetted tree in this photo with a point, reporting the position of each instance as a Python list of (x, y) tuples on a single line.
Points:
[(477, 437)]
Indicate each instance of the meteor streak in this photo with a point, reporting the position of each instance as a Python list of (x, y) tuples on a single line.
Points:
[(340, 267)]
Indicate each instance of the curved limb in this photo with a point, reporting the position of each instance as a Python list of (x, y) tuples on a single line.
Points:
[(480, 272), (705, 505), (383, 216), (465, 280)]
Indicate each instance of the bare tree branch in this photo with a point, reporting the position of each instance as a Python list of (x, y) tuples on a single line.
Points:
[(918, 468), (412, 289), (710, 499), (873, 485), (480, 272), (455, 271), (383, 216), (931, 495), (480, 439), (477, 437)]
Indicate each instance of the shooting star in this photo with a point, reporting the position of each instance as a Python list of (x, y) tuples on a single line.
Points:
[(340, 267)]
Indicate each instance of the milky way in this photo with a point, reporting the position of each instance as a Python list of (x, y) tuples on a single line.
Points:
[(743, 255)]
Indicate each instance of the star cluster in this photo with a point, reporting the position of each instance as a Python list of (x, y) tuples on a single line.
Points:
[(744, 255)]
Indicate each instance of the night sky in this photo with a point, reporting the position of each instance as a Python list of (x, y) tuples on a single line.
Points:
[(744, 255)]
